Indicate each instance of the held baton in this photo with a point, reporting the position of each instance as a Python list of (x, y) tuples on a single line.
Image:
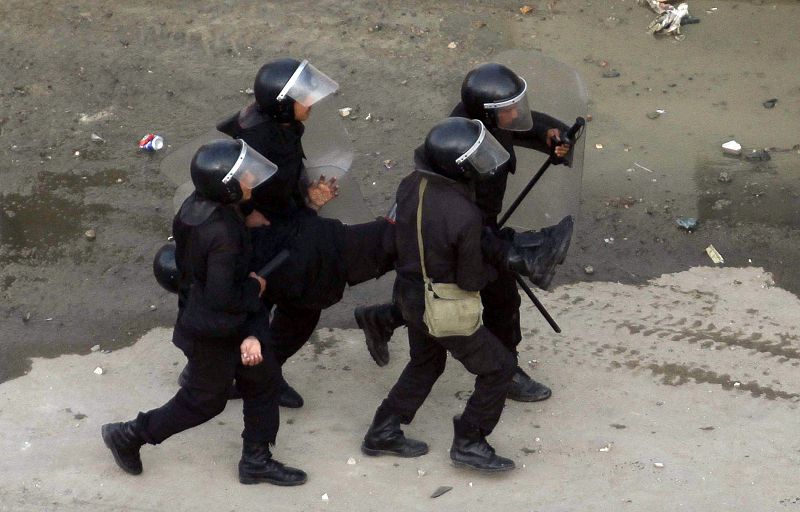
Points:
[(570, 137), (273, 264)]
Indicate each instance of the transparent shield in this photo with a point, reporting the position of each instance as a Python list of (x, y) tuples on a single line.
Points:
[(308, 85), (485, 156), (329, 152), (251, 168), (555, 89), (514, 114)]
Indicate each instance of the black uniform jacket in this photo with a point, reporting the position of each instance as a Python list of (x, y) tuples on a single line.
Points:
[(451, 230), (489, 193), (284, 194), (217, 299)]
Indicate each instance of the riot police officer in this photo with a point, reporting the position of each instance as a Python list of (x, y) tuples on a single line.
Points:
[(221, 321), (438, 240), (285, 91), (495, 95)]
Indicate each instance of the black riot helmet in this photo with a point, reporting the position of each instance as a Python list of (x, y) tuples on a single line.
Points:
[(222, 167), (282, 82), (166, 269), (463, 150), (497, 96)]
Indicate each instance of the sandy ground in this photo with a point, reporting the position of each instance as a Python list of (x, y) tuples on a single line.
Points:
[(688, 371), (120, 70)]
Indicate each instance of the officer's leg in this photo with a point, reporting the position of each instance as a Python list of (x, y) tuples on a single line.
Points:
[(501, 304), (426, 364), (259, 387), (290, 329), (483, 355), (212, 364)]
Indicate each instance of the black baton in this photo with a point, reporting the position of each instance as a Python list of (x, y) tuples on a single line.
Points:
[(273, 264)]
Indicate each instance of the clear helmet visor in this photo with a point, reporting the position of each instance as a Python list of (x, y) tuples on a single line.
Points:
[(485, 156), (251, 168), (308, 85), (513, 114)]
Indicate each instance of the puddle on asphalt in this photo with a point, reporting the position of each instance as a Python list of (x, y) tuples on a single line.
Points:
[(38, 225), (734, 191)]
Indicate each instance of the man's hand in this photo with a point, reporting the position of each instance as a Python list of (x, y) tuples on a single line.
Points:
[(321, 191), (262, 283), (251, 351), (554, 138), (256, 219)]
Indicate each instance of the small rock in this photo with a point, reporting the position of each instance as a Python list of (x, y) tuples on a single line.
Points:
[(441, 490), (606, 448), (368, 117), (99, 371), (611, 73), (97, 138), (249, 91), (351, 461), (389, 163), (421, 473), (737, 384), (526, 9), (95, 348), (589, 117), (453, 45), (153, 307), (90, 234), (653, 115), (589, 270), (724, 177), (345, 112), (770, 103), (721, 204), (658, 464), (598, 146), (757, 155), (325, 497), (26, 317), (732, 148)]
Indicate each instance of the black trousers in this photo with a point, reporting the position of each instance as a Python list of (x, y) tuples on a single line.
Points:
[(482, 354), (366, 256), (290, 329), (213, 363), (501, 303)]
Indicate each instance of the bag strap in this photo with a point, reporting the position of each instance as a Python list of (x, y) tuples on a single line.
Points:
[(422, 184)]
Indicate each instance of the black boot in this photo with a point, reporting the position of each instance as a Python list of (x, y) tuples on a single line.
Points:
[(525, 389), (257, 465), (470, 449), (378, 323), (537, 253), (289, 397), (124, 441), (233, 391), (385, 437)]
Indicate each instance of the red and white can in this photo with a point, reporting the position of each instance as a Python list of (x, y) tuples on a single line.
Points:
[(151, 142)]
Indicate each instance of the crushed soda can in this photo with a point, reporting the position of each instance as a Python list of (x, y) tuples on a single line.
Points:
[(151, 142)]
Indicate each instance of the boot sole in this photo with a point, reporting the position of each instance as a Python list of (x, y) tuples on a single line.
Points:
[(528, 400), (250, 480), (482, 470), (370, 343), (379, 453), (107, 440)]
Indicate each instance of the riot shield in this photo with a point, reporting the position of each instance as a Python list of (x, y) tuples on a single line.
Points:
[(557, 90), (328, 150)]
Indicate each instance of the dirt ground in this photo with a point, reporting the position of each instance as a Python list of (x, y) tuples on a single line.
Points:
[(120, 70)]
